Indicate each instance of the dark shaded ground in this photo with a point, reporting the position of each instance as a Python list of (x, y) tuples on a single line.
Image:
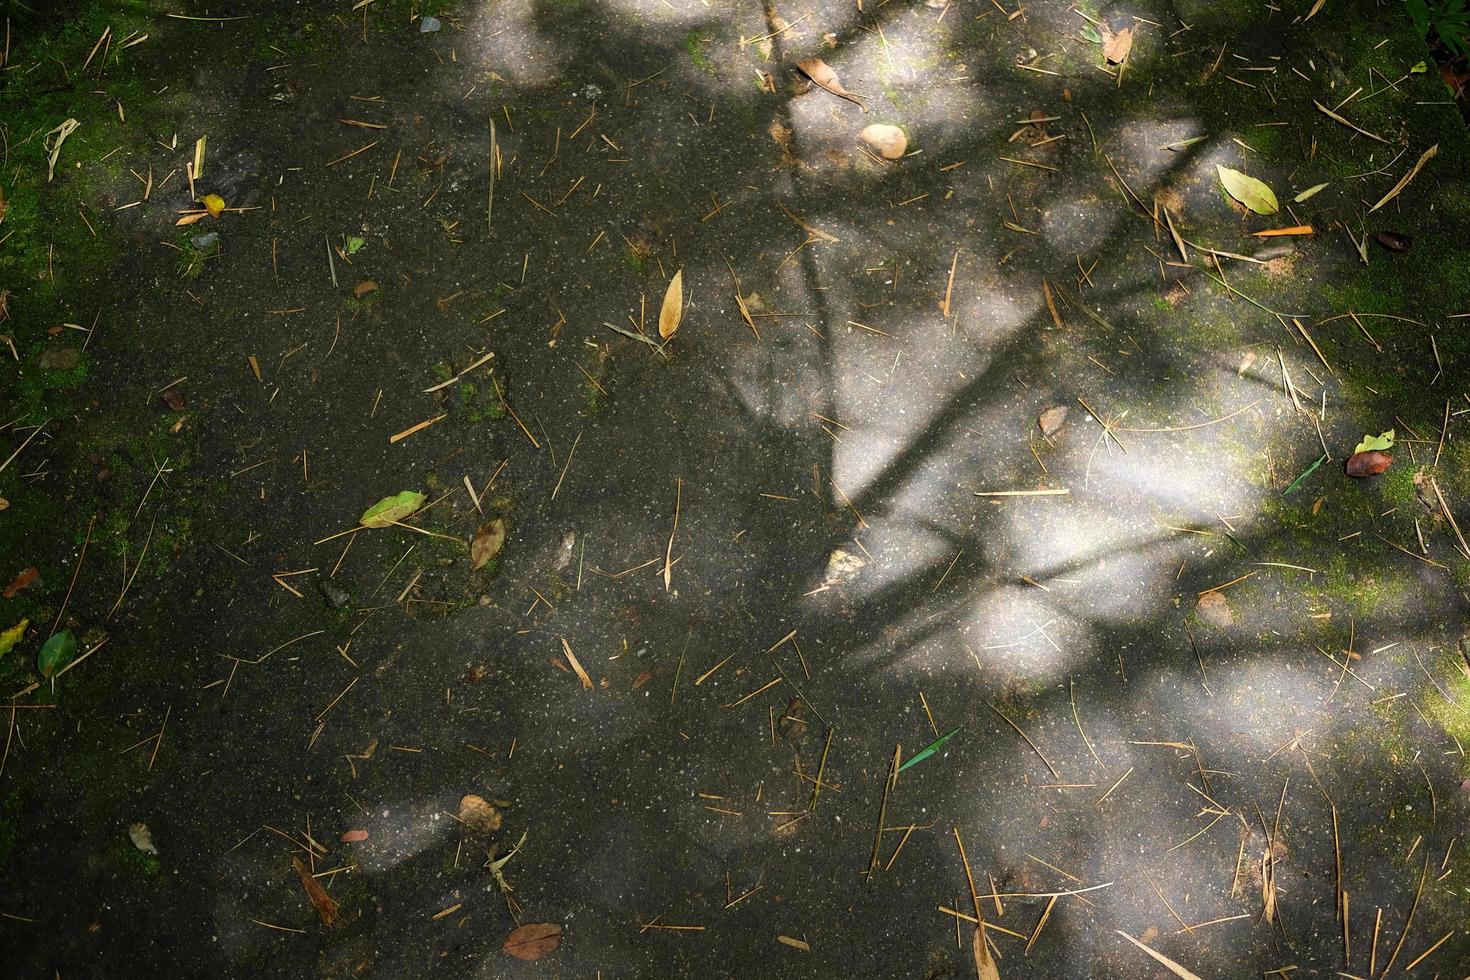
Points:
[(823, 476)]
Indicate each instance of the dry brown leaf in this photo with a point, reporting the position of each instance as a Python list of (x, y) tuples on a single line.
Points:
[(1118, 46), (325, 907), (1368, 463), (353, 836), (478, 814), (489, 539), (1168, 964), (889, 141), (1051, 419), (985, 968), (1215, 609), (823, 76), (190, 217), (672, 310), (533, 940), (363, 288), (795, 943)]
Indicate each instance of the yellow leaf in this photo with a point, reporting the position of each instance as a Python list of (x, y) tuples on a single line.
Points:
[(12, 636), (672, 311), (214, 204), (1248, 191)]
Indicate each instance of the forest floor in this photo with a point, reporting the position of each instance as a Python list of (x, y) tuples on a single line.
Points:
[(734, 466)]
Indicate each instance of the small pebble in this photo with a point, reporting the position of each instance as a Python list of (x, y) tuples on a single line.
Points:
[(428, 25)]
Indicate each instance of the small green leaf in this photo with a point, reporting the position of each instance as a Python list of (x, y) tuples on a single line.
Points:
[(1419, 69), (1381, 443), (354, 244), (1308, 193), (12, 636), (1249, 191), (56, 653), (394, 509), (928, 750), (1089, 33)]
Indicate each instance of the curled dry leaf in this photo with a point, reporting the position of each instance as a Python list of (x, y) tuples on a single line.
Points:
[(27, 578), (1117, 48), (174, 399), (363, 288), (1368, 463), (142, 838), (889, 141), (326, 907), (985, 968), (488, 540), (672, 310), (354, 837), (533, 940), (478, 814), (1215, 609), (823, 76), (1051, 419)]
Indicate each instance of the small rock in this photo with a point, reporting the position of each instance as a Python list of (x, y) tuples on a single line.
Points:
[(1051, 419), (206, 241), (59, 358), (478, 814), (428, 25), (142, 838), (335, 595), (890, 142)]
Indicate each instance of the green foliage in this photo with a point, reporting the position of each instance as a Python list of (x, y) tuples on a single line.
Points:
[(1449, 20)]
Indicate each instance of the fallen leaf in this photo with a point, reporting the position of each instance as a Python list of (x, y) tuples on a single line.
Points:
[(56, 653), (672, 310), (1213, 608), (985, 968), (190, 217), (1117, 48), (1169, 964), (795, 943), (488, 540), (1089, 33), (1307, 193), (1249, 191), (393, 509), (354, 244), (12, 636), (325, 907), (1369, 443), (1369, 463), (889, 141), (174, 399), (1245, 363), (1051, 419), (363, 288), (478, 814), (576, 665), (23, 581), (1394, 241), (142, 838), (214, 204), (533, 940), (822, 74), (354, 837)]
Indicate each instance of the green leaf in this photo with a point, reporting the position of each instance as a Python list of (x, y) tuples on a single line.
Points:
[(1381, 443), (928, 750), (354, 244), (12, 636), (1419, 69), (1089, 33), (392, 510), (1248, 191), (1308, 193), (56, 653)]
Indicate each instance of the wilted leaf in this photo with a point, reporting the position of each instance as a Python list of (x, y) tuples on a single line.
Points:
[(214, 204), (533, 940), (1369, 463), (174, 399), (889, 141), (1308, 193), (392, 509), (1394, 241), (1248, 191), (56, 653), (488, 540), (822, 74), (1089, 33), (353, 836), (1213, 608), (12, 636), (363, 288), (478, 814), (1369, 443), (142, 838), (23, 581), (1118, 46), (985, 968), (325, 906), (672, 310), (1051, 419)]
